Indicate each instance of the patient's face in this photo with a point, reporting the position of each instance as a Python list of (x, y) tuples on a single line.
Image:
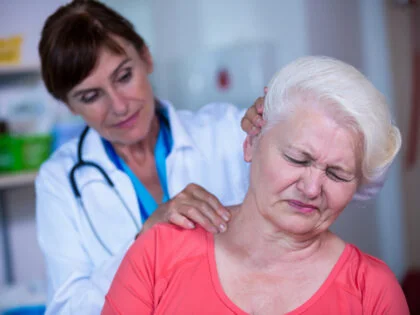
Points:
[(304, 172)]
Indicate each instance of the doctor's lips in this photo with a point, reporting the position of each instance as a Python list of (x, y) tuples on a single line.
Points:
[(129, 122), (302, 207)]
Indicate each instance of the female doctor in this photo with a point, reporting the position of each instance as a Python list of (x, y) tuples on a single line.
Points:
[(137, 163)]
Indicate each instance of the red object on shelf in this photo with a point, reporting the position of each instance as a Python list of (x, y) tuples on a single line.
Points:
[(223, 79)]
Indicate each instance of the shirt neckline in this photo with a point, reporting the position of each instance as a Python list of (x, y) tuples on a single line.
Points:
[(313, 299)]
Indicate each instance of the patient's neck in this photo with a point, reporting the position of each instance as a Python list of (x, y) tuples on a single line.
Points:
[(252, 237)]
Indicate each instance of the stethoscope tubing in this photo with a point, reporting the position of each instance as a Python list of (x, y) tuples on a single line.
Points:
[(72, 177)]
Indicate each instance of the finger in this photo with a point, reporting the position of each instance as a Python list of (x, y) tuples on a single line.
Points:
[(253, 116), (259, 104), (207, 205), (201, 194), (192, 213), (247, 126), (181, 221), (212, 214), (265, 90)]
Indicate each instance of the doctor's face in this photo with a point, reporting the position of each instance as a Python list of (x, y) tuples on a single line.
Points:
[(116, 98), (304, 172)]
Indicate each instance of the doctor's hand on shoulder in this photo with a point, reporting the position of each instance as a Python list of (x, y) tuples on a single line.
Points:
[(193, 205)]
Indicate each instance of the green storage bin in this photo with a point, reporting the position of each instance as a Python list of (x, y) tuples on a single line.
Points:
[(6, 153), (24, 153)]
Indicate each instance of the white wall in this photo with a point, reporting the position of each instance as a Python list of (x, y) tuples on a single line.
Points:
[(185, 28), (26, 17), (335, 28), (139, 12)]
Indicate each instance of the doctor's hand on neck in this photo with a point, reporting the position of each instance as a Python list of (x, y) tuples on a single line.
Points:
[(253, 120), (194, 205)]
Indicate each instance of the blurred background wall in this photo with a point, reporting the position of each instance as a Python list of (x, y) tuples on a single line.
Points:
[(227, 50)]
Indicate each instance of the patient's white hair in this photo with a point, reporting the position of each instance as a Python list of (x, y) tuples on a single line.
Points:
[(351, 98)]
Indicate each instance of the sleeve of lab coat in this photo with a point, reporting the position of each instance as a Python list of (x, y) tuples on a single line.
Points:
[(74, 285)]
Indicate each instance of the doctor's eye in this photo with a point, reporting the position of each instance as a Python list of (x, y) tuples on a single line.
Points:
[(89, 97), (125, 75)]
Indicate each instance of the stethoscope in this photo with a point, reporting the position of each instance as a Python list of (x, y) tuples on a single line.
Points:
[(82, 163)]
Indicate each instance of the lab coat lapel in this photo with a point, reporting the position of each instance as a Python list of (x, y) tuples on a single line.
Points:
[(186, 160), (181, 139)]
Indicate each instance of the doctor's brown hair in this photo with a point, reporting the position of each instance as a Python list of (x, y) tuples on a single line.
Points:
[(72, 38)]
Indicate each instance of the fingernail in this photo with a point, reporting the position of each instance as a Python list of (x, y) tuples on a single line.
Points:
[(222, 228), (225, 217)]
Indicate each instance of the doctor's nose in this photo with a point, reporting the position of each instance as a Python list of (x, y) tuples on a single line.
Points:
[(310, 183), (118, 103)]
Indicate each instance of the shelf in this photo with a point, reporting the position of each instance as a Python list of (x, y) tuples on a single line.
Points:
[(15, 180), (20, 69)]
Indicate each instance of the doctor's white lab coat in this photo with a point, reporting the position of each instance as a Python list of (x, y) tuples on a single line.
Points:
[(207, 150)]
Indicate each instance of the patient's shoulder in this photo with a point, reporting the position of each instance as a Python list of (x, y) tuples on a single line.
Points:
[(369, 267), (168, 244), (170, 237)]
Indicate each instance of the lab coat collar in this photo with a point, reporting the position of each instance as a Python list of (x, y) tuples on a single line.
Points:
[(93, 149), (181, 139)]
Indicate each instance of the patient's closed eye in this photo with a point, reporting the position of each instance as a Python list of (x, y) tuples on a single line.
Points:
[(302, 162), (334, 176)]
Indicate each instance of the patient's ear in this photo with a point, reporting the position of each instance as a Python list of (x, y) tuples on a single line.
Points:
[(248, 148)]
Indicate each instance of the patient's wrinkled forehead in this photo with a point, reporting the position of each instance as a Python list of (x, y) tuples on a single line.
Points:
[(312, 131)]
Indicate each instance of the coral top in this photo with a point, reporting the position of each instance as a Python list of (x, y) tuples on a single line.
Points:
[(173, 271)]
